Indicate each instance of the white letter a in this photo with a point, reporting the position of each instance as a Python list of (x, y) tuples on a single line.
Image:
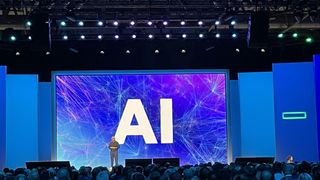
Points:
[(134, 107)]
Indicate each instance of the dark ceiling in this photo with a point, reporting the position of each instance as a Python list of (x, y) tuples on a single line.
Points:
[(285, 16), (141, 54)]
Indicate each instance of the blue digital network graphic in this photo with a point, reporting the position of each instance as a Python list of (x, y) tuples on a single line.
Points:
[(89, 107)]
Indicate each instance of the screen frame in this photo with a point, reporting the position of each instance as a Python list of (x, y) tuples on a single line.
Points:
[(140, 72)]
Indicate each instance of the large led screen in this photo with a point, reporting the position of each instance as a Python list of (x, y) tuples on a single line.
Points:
[(151, 114)]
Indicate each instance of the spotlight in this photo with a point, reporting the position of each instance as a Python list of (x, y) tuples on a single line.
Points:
[(295, 35), (149, 23), (63, 23), (156, 51), (217, 35), (133, 36), (101, 52), (201, 35), (30, 38), (217, 23), (165, 23), (280, 35), (28, 23), (233, 23), (183, 23), (82, 37), (99, 36), (80, 23), (234, 35), (100, 23), (237, 50), (116, 36), (184, 36), (309, 40), (150, 36), (263, 50), (183, 51), (17, 53), (65, 37), (128, 51), (13, 38), (200, 23), (167, 36), (132, 23), (115, 23), (48, 53)]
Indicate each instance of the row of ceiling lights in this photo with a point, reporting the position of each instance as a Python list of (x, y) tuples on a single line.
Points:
[(151, 36), (308, 39), (156, 51), (132, 23), (295, 35)]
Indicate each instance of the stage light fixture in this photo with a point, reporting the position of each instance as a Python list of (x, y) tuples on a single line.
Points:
[(17, 53), (234, 35), (263, 50), (182, 23), (201, 35), (150, 36), (101, 52), (80, 23), (309, 40), (128, 51), (133, 36), (116, 36), (184, 36), (132, 23), (295, 35), (280, 35), (165, 23), (218, 35), (82, 37), (13, 38), (30, 38), (99, 36), (217, 23), (233, 23), (63, 23), (65, 37), (156, 51), (149, 23), (115, 23), (48, 53), (200, 23), (237, 50), (28, 23), (167, 36), (100, 23), (183, 51)]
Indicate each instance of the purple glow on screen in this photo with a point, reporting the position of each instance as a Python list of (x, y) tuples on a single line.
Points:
[(89, 107)]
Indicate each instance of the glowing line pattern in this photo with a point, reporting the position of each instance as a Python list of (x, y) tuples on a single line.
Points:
[(89, 107)]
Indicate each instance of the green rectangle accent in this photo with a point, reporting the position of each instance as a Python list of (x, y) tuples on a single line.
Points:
[(294, 115)]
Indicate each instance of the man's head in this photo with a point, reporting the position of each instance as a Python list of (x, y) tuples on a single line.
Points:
[(113, 139), (290, 159)]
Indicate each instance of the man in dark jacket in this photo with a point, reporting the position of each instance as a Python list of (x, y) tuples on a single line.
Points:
[(114, 146)]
